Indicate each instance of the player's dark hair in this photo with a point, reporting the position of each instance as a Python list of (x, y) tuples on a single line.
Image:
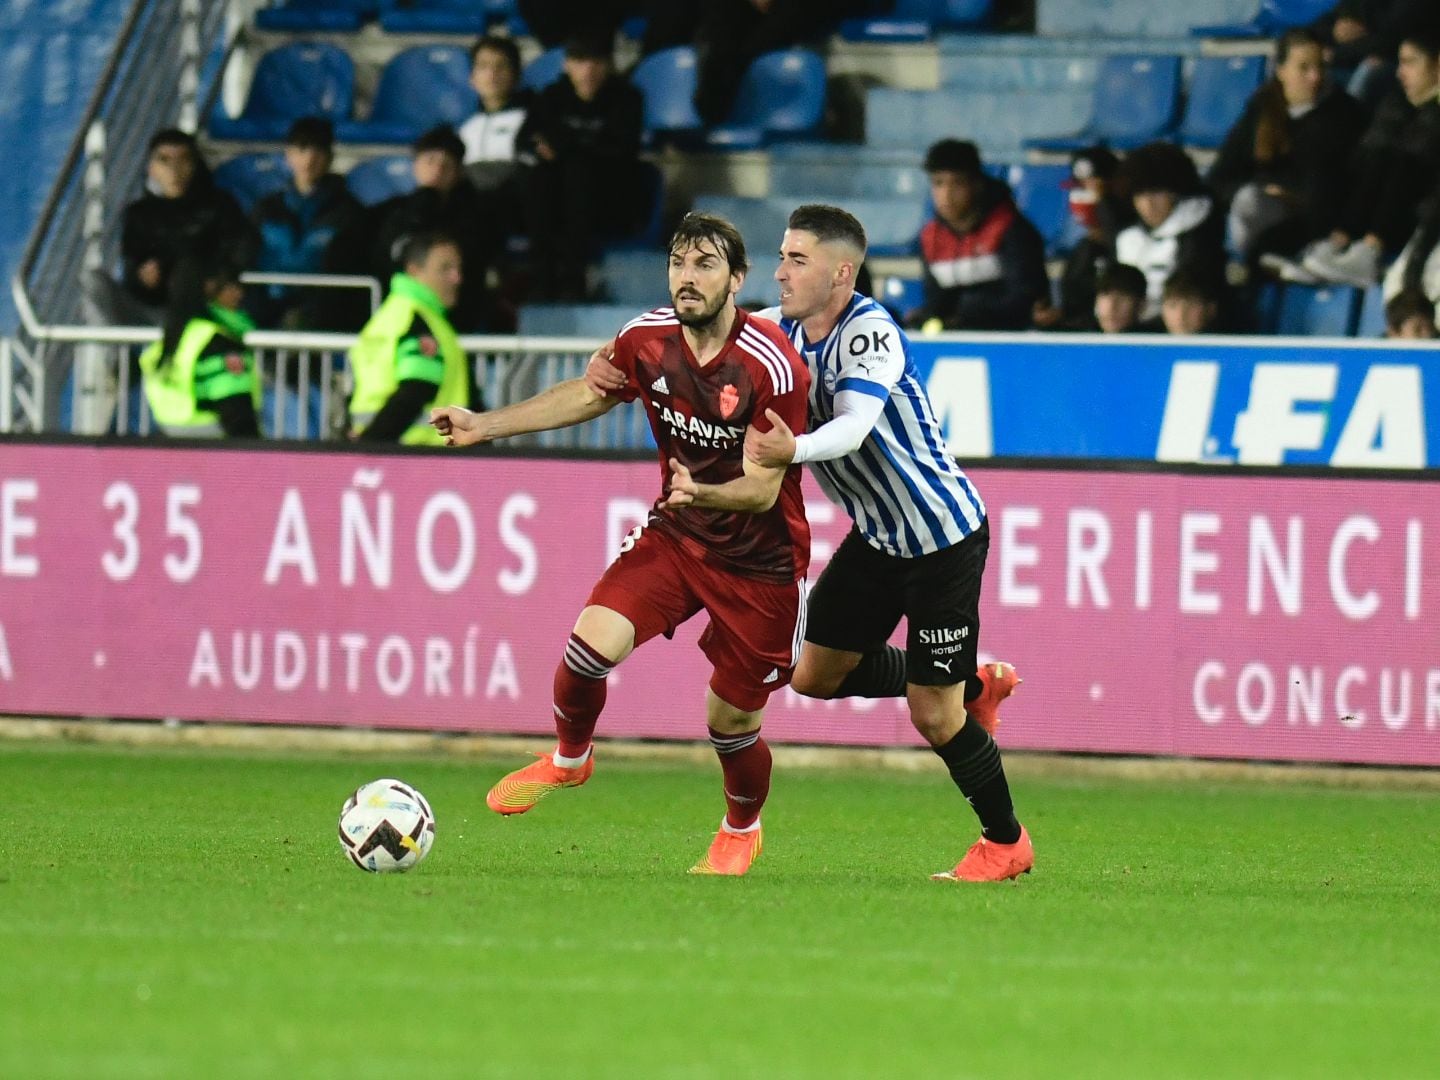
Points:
[(698, 227), (416, 247), (829, 223), (505, 46)]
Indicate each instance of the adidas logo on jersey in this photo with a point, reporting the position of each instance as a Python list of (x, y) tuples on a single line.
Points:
[(774, 674), (660, 386)]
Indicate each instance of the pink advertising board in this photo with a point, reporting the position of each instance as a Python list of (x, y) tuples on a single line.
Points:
[(1219, 615)]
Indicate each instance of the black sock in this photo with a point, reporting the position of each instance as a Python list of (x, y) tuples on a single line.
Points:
[(879, 674), (974, 764), (973, 687)]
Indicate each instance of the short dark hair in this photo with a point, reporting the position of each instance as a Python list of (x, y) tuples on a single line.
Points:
[(1188, 283), (829, 223), (173, 137), (505, 46), (1423, 34), (442, 137), (697, 227), (311, 132), (589, 47), (1121, 277), (954, 155), (1406, 305), (416, 248), (1160, 166)]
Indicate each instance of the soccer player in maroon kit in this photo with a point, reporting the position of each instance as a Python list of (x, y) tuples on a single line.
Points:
[(727, 536)]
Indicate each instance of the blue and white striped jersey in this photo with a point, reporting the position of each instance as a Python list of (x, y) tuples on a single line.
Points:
[(901, 487)]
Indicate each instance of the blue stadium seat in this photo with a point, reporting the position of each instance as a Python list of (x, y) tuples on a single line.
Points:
[(295, 80), (914, 20), (1144, 19), (1136, 100), (434, 16), (997, 122), (760, 221), (900, 294), (544, 69), (1273, 18), (667, 81), (250, 177), (1371, 321), (315, 16), (781, 96), (1041, 197), (837, 173), (380, 178), (419, 88), (1308, 310), (635, 277), (1220, 86)]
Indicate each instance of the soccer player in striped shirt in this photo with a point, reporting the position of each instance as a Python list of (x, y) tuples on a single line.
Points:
[(918, 546), (727, 536)]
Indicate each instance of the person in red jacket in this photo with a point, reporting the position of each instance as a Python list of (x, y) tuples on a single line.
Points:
[(984, 261)]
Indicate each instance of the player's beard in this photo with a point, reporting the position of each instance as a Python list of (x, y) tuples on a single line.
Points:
[(705, 316)]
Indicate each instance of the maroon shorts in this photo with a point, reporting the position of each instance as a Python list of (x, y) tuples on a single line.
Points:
[(756, 627)]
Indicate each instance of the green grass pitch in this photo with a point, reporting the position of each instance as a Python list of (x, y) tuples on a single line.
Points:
[(189, 914)]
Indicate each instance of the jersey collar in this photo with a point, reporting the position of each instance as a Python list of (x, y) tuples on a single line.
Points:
[(413, 290)]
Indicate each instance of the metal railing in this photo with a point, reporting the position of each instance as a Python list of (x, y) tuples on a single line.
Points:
[(150, 81), (306, 383)]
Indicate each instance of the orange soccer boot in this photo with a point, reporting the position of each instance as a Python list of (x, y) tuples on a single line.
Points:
[(1000, 681), (523, 788), (989, 861), (730, 853)]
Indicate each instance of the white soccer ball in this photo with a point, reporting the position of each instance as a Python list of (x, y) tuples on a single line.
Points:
[(386, 825)]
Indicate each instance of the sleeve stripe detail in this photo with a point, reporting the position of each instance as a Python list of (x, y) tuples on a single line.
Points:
[(658, 317), (769, 354), (863, 386)]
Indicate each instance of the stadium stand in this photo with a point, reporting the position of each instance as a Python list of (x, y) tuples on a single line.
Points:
[(1136, 100), (1272, 18), (544, 69), (434, 16), (1371, 321), (1308, 311), (316, 16), (420, 87), (916, 20), (291, 81), (250, 177)]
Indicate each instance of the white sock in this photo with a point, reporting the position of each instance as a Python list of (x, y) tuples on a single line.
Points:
[(752, 827), (563, 762)]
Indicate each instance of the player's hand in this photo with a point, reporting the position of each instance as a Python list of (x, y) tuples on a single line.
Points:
[(683, 489), (461, 427), (773, 449), (602, 376)]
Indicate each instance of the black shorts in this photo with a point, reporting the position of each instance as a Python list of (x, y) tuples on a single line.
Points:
[(863, 593)]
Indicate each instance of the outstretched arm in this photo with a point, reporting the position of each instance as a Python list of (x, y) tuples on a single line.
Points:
[(563, 405)]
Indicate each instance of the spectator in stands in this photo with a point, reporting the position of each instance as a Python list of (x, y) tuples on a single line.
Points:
[(310, 227), (408, 359), (1397, 158), (1362, 37), (553, 22), (1190, 303), (1119, 299), (1283, 168), (1410, 316), (581, 140), (1180, 223), (489, 135), (984, 261), (444, 199), (182, 213), (199, 378), (1099, 210), (1418, 267)]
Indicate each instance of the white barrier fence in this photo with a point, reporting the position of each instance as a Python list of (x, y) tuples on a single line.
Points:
[(90, 379)]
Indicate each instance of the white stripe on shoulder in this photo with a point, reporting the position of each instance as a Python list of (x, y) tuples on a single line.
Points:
[(768, 352), (766, 360), (658, 317)]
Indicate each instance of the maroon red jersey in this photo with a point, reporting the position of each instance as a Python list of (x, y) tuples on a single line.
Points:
[(699, 415)]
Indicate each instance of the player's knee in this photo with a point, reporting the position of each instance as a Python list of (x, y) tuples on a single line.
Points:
[(814, 683), (937, 712)]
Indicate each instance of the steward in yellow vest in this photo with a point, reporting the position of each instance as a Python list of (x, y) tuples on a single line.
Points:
[(408, 359), (199, 379)]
